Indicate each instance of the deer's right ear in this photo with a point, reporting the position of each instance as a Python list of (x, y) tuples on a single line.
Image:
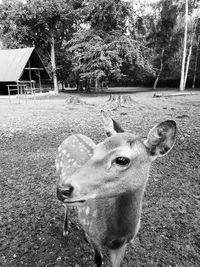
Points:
[(108, 124), (161, 139)]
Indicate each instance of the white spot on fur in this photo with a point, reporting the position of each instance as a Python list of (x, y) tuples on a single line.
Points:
[(63, 173), (94, 214), (66, 142), (57, 165), (87, 210), (64, 152), (75, 164), (85, 222)]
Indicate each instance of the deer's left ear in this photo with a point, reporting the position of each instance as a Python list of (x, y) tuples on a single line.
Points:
[(161, 138), (111, 127), (107, 124)]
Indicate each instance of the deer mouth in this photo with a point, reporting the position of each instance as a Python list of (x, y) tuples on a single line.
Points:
[(66, 201)]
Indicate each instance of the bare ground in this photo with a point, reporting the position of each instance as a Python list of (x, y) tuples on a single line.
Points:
[(31, 216)]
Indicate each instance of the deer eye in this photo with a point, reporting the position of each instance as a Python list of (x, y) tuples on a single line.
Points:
[(122, 161)]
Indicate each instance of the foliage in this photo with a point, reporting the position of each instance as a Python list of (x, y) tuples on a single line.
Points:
[(162, 37), (98, 40), (106, 50), (10, 34), (108, 15), (36, 22)]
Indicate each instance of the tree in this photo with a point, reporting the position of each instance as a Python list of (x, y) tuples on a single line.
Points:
[(193, 27), (162, 38), (91, 42), (101, 50), (196, 62), (10, 35), (47, 24), (182, 81)]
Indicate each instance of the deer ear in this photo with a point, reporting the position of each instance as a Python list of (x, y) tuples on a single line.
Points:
[(161, 138), (107, 124)]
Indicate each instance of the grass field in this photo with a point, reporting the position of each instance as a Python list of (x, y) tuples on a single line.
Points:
[(31, 216)]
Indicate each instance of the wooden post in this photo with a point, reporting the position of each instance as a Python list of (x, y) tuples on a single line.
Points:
[(34, 96), (9, 94), (40, 85), (18, 93), (29, 65), (25, 94)]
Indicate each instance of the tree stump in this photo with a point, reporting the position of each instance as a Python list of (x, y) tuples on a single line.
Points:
[(121, 100), (74, 100)]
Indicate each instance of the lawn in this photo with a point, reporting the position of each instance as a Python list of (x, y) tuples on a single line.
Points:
[(31, 216)]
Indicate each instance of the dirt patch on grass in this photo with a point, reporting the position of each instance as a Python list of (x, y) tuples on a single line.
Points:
[(31, 216)]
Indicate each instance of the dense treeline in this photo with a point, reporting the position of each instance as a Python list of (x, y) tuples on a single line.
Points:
[(93, 43)]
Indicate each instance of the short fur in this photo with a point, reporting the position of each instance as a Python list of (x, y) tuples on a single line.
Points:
[(113, 194)]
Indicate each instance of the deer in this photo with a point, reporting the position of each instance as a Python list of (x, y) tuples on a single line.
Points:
[(106, 183)]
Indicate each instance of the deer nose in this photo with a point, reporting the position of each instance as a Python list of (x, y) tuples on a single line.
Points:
[(65, 192)]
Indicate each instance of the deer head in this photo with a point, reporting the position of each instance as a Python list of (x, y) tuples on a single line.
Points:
[(118, 165)]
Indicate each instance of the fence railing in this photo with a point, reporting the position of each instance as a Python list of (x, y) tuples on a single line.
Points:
[(24, 90)]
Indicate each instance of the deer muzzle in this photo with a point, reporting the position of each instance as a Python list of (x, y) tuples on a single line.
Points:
[(65, 194)]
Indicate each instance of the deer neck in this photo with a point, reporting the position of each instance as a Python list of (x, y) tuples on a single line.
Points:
[(117, 219), (126, 214)]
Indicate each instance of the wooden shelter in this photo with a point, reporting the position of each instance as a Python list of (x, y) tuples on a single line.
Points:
[(22, 70)]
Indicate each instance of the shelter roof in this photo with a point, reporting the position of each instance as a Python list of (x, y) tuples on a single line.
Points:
[(13, 62)]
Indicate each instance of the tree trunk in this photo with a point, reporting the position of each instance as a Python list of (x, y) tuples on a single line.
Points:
[(195, 68), (121, 100), (97, 85), (189, 54), (63, 86), (74, 100), (88, 85), (53, 64), (160, 70), (187, 65), (181, 88)]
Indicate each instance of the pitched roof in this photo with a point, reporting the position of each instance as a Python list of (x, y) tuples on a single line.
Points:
[(13, 62)]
